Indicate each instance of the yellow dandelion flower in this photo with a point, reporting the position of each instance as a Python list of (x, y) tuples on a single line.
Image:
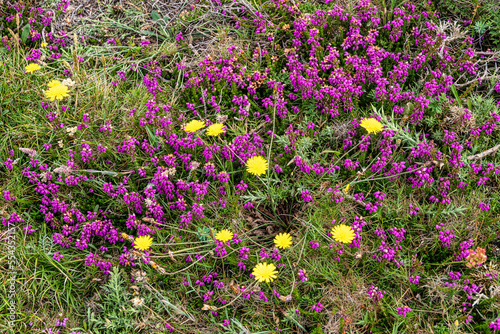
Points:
[(257, 165), (283, 240), (224, 235), (194, 126), (215, 129), (346, 189), (343, 233), (143, 243), (43, 45), (56, 92), (264, 272), (32, 67), (53, 83), (371, 125)]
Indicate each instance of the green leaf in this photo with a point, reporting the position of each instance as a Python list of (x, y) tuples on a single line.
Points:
[(455, 93), (204, 233), (331, 151), (101, 171), (25, 33), (155, 16), (152, 136)]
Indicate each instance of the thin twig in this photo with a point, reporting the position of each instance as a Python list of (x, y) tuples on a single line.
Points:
[(484, 153)]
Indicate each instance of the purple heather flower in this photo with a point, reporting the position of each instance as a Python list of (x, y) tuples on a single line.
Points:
[(317, 307), (402, 311)]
